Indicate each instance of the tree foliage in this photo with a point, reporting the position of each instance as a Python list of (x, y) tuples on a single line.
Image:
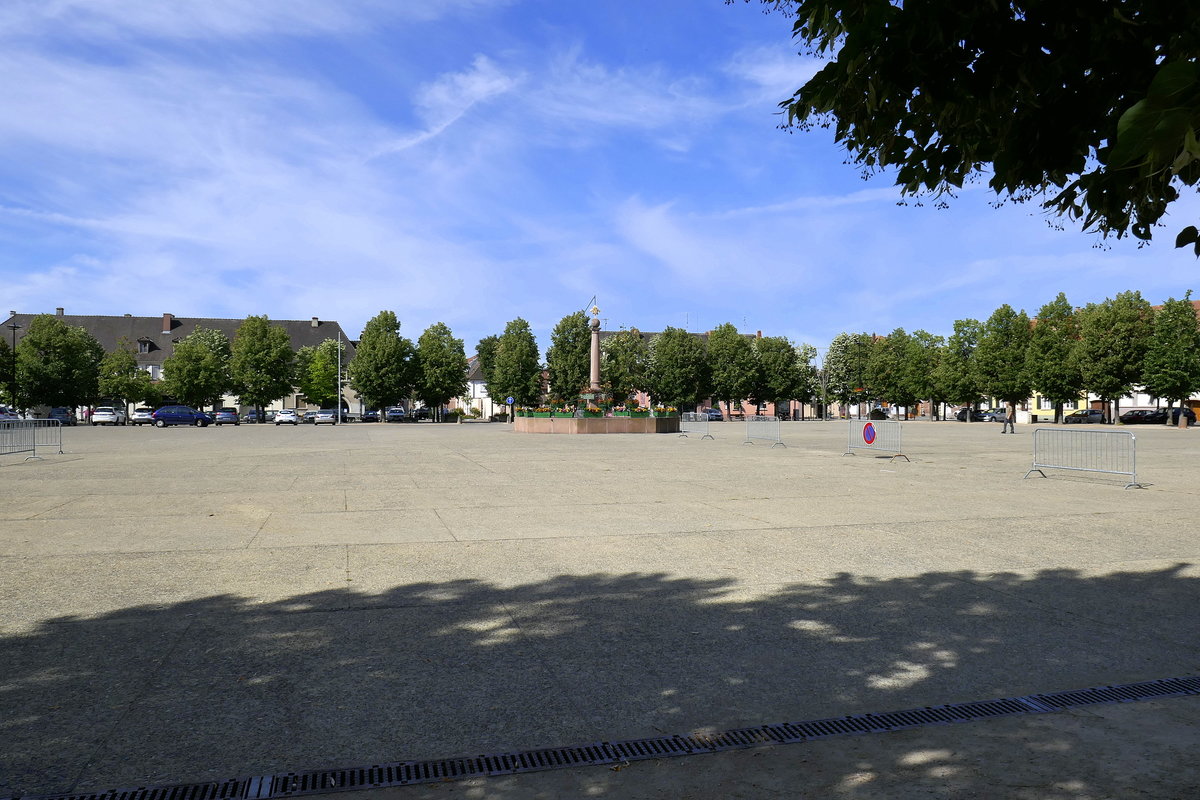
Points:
[(956, 373), (569, 359), (1113, 339), (731, 365), (121, 379), (1001, 355), (262, 366), (383, 369), (442, 366), (780, 375), (1049, 365), (678, 369), (198, 371), (485, 351), (317, 372), (57, 364), (516, 373), (889, 374), (625, 364), (1092, 108), (925, 352), (1171, 369)]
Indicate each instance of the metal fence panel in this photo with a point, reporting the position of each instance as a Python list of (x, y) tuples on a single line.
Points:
[(1111, 452), (764, 428), (879, 435), (691, 422), (30, 435)]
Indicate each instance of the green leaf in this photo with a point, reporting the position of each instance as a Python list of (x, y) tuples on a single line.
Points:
[(1187, 236)]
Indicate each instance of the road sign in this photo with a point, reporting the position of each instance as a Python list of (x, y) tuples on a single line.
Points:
[(508, 400)]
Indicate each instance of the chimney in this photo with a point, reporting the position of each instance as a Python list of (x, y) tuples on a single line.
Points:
[(759, 335), (315, 322), (167, 319), (58, 312)]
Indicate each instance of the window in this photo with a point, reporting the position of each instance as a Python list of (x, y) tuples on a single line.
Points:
[(143, 345)]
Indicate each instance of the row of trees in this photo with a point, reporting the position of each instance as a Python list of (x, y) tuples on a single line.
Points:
[(1108, 348), (60, 365), (674, 367)]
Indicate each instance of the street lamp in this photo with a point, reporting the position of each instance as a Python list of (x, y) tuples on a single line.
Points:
[(12, 375)]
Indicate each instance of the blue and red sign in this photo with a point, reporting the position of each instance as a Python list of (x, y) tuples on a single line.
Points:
[(869, 433)]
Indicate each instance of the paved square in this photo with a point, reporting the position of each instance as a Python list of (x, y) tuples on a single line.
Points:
[(192, 604)]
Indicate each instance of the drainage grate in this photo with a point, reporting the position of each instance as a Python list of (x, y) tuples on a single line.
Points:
[(405, 773)]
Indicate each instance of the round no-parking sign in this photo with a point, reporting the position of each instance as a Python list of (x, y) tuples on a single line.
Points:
[(508, 400), (869, 433)]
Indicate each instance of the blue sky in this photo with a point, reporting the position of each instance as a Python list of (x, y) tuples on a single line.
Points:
[(471, 161)]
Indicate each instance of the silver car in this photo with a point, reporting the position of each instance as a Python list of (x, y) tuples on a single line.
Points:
[(108, 415), (326, 416)]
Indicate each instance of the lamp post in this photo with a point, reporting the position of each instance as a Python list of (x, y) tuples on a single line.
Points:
[(12, 375)]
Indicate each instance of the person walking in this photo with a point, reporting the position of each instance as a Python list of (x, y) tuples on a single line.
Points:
[(1010, 419)]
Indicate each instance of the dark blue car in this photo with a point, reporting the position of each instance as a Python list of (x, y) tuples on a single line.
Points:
[(180, 415)]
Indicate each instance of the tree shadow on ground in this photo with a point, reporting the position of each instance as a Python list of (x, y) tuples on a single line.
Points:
[(225, 686)]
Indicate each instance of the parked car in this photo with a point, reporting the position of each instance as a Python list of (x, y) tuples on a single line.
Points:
[(713, 414), (180, 415), (308, 416), (976, 416), (226, 416), (7, 413), (1187, 412), (250, 416), (1084, 416), (108, 415), (287, 416), (394, 414), (418, 414), (1145, 416), (326, 416), (64, 415), (994, 415), (370, 416), (142, 416)]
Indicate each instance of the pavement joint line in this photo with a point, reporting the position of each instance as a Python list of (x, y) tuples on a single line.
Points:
[(261, 525), (602, 753), (438, 514)]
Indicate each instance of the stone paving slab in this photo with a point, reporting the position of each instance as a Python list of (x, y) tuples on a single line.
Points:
[(372, 593)]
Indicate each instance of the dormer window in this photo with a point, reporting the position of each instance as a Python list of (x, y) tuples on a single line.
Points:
[(144, 345)]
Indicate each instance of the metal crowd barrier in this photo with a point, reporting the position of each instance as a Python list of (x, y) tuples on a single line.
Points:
[(1112, 452), (764, 428), (879, 435), (27, 435), (692, 422)]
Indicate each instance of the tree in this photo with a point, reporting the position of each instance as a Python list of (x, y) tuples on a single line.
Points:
[(732, 366), (778, 371), (625, 364), (8, 358), (1052, 371), (1113, 339), (121, 379), (485, 351), (383, 371), (956, 373), (925, 351), (846, 367), (443, 367), (198, 371), (569, 359), (317, 372), (57, 364), (263, 364), (678, 373), (517, 373), (889, 372), (1172, 365), (1001, 355), (1093, 105)]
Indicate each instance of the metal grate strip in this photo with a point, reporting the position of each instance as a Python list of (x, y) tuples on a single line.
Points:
[(404, 773)]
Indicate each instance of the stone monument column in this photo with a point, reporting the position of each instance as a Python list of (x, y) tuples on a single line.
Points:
[(595, 325)]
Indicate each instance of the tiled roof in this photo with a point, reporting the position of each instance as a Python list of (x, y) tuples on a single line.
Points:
[(110, 330)]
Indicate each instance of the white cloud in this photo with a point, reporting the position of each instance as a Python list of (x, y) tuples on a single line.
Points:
[(210, 19)]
